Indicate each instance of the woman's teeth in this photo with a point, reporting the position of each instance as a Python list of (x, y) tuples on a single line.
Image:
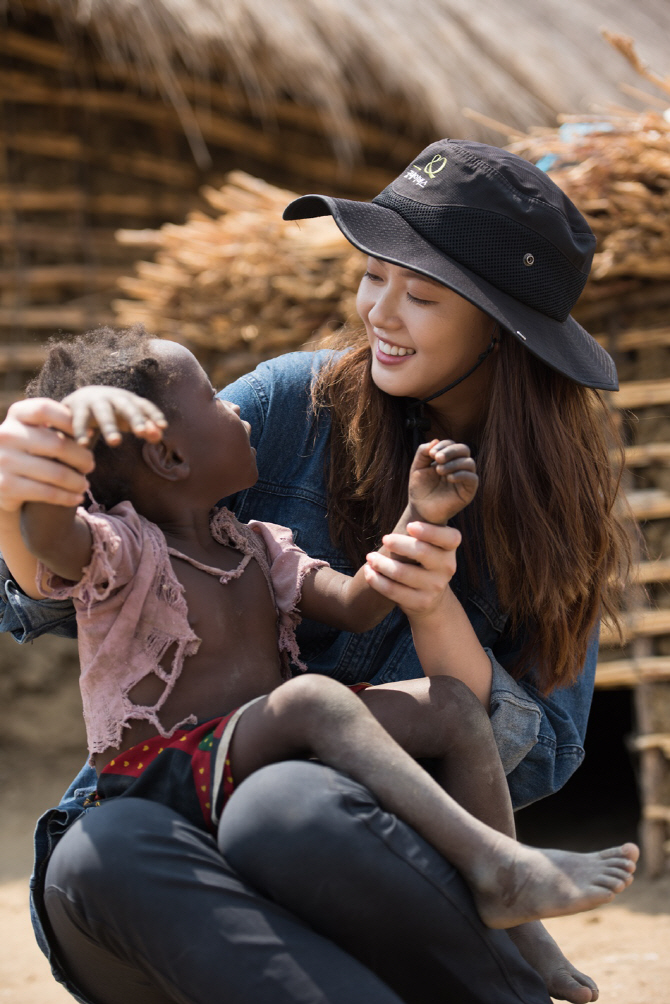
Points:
[(394, 350)]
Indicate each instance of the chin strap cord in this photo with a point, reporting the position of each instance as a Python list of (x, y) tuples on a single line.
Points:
[(416, 419)]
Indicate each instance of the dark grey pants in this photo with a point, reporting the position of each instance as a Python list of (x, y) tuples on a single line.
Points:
[(314, 896)]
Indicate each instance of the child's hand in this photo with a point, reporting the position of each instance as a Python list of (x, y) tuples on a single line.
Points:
[(442, 481), (417, 573), (112, 411)]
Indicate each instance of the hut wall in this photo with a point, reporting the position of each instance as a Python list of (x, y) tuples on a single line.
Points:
[(89, 146)]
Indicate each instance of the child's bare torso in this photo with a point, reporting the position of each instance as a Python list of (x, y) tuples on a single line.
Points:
[(238, 658)]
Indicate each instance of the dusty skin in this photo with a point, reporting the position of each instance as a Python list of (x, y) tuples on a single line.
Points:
[(549, 883), (623, 945)]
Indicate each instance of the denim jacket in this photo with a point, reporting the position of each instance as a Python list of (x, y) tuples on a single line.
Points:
[(540, 739)]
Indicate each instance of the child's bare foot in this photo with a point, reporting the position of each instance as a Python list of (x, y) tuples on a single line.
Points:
[(563, 981), (524, 883)]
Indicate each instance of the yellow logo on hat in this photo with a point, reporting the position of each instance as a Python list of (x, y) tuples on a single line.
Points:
[(434, 166)]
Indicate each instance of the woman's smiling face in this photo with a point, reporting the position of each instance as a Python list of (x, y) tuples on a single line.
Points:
[(422, 334)]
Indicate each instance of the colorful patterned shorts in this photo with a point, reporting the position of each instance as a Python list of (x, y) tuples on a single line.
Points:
[(190, 771)]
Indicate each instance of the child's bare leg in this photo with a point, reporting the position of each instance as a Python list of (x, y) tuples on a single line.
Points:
[(511, 883), (442, 719)]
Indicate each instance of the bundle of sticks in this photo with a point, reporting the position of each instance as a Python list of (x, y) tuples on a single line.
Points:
[(243, 284), (615, 166)]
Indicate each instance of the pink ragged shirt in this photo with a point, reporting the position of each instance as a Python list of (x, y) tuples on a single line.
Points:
[(131, 609)]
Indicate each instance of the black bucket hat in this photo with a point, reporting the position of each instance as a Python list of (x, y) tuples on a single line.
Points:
[(496, 230)]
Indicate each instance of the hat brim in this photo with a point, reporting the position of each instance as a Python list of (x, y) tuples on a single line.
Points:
[(382, 233)]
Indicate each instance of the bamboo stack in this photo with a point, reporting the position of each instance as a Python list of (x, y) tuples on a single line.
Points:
[(244, 285)]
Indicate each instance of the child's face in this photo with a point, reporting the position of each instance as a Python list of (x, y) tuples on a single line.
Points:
[(207, 430)]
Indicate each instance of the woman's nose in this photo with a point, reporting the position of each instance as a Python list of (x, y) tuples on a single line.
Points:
[(383, 313)]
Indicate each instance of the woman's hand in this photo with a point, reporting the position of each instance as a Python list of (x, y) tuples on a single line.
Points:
[(112, 411), (39, 460), (417, 579), (442, 481)]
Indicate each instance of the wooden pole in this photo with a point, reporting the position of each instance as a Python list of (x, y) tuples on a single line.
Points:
[(137, 164), (162, 205), (69, 318), (87, 276)]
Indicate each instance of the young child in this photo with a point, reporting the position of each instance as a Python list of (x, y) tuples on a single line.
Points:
[(186, 621)]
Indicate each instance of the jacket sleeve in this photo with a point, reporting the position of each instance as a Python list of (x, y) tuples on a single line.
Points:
[(27, 619), (540, 738)]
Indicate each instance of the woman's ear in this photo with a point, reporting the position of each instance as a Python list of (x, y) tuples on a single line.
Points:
[(165, 461)]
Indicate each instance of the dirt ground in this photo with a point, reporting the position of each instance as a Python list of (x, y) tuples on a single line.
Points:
[(625, 945)]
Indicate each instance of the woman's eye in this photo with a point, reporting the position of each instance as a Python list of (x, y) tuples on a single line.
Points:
[(416, 299), (372, 277)]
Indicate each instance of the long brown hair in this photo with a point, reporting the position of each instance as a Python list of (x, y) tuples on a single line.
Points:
[(545, 517)]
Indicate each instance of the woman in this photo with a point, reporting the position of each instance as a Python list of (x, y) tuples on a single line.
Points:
[(475, 259)]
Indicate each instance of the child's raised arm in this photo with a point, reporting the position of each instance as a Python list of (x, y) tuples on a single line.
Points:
[(444, 638), (416, 562), (54, 533)]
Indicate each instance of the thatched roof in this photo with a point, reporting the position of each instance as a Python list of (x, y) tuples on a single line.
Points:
[(420, 63)]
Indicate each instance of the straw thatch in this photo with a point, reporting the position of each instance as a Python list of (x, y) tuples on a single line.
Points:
[(116, 112), (391, 60)]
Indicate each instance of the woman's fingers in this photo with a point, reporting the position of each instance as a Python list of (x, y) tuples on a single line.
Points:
[(426, 543), (447, 538), (437, 562), (417, 574), (66, 489), (42, 430), (409, 598), (38, 411), (418, 582), (39, 463), (28, 478)]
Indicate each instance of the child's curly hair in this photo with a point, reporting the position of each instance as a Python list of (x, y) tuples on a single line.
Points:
[(111, 357)]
